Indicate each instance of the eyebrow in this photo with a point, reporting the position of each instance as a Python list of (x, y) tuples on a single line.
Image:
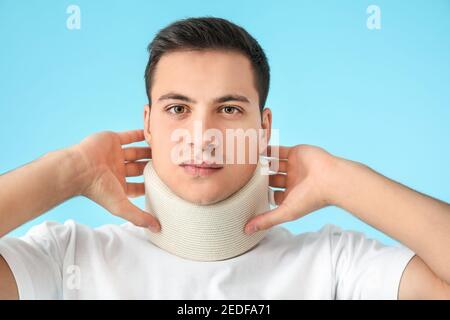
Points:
[(222, 99)]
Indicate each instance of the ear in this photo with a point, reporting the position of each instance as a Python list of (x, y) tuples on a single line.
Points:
[(147, 134), (266, 124)]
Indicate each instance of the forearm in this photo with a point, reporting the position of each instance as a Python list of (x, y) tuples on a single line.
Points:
[(38, 186), (420, 222)]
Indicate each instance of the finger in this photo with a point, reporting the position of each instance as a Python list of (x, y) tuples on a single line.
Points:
[(137, 153), (267, 220), (279, 196), (280, 152), (138, 217), (276, 197), (131, 136), (135, 169), (278, 180), (278, 165), (135, 189)]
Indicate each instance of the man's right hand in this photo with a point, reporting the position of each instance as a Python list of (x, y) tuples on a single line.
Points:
[(106, 165), (96, 168)]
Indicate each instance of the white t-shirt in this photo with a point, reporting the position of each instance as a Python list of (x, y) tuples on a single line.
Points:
[(74, 261)]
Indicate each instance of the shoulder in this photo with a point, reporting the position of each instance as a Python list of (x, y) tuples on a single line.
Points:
[(70, 230), (312, 242), (330, 239), (283, 235)]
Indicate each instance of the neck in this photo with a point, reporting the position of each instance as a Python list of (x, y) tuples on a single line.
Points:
[(206, 232)]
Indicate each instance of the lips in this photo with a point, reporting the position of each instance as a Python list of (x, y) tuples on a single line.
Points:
[(201, 169), (204, 164)]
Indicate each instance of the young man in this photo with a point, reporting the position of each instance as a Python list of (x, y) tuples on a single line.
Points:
[(211, 71)]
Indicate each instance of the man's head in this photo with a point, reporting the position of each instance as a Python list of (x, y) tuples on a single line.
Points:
[(211, 73)]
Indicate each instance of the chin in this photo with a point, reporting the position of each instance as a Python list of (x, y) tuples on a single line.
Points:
[(202, 194)]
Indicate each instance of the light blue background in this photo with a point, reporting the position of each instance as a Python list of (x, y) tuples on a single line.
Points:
[(381, 97)]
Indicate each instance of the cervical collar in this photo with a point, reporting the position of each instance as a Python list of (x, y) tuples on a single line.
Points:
[(206, 232)]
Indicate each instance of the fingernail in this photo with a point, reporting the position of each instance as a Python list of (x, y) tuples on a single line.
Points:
[(251, 229), (154, 229)]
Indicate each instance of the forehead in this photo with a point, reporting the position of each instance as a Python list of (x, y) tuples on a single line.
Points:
[(204, 74)]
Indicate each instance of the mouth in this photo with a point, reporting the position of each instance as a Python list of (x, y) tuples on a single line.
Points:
[(202, 169)]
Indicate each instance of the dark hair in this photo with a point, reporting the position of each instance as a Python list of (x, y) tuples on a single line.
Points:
[(209, 33)]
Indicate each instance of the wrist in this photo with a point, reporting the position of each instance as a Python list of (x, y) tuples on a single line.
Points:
[(340, 180), (73, 174)]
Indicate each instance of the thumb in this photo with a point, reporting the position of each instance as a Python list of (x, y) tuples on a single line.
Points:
[(135, 215), (268, 219)]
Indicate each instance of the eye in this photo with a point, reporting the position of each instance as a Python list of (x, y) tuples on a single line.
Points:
[(177, 109), (230, 109)]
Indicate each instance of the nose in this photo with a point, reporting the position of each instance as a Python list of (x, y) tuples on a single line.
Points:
[(205, 138)]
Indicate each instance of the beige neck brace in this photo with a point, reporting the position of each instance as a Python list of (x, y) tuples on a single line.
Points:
[(206, 232)]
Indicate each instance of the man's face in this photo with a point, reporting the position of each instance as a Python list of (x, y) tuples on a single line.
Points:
[(192, 93)]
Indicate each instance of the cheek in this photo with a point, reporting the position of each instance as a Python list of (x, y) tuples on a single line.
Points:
[(242, 150), (162, 152), (161, 141), (239, 174)]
